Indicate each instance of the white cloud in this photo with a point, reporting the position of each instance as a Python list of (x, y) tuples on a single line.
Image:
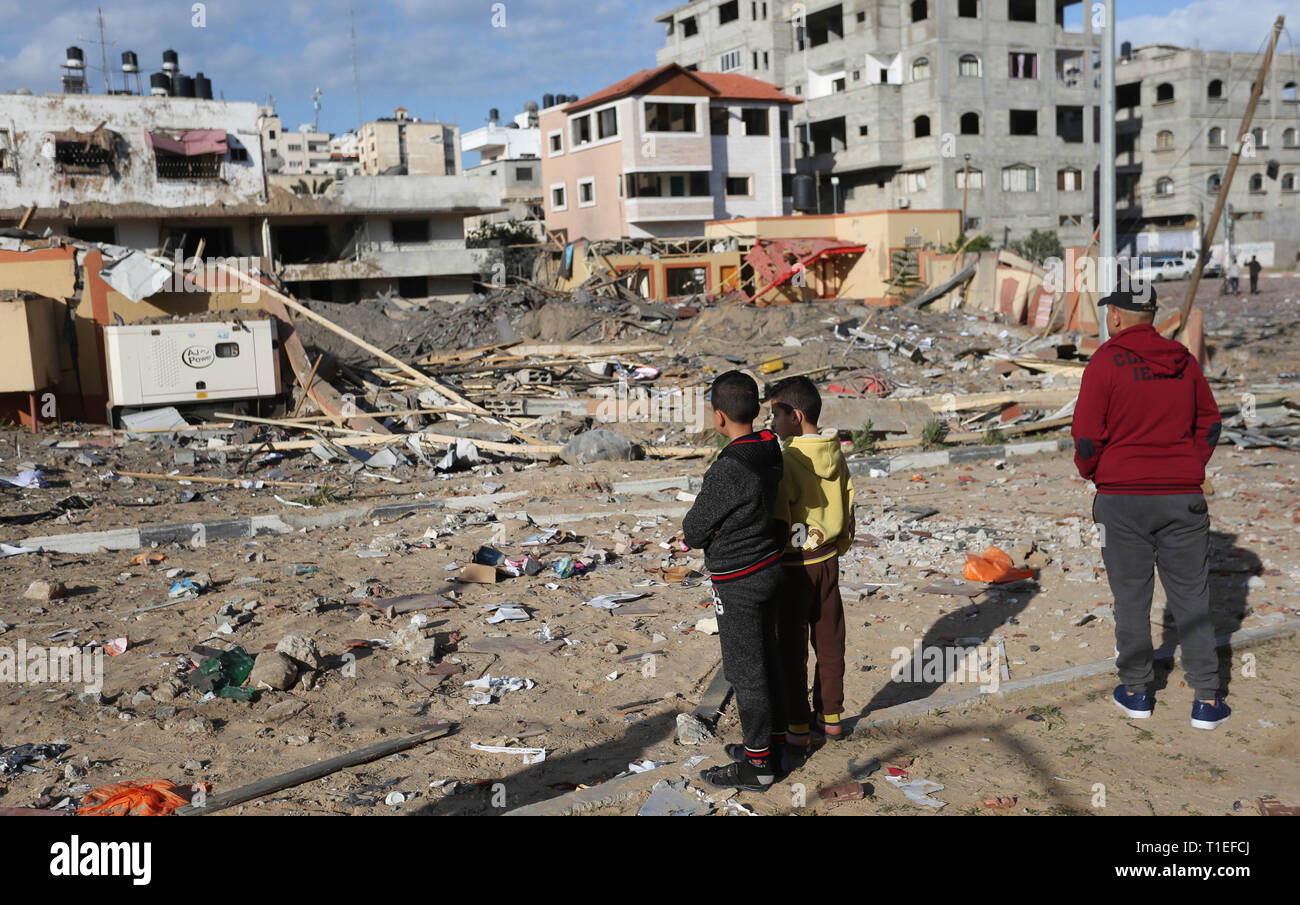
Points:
[(1215, 24)]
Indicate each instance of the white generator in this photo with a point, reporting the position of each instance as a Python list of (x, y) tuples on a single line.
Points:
[(161, 364)]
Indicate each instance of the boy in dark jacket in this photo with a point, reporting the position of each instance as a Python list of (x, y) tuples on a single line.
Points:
[(731, 521)]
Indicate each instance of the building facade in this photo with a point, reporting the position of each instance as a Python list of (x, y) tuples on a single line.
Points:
[(510, 161), (991, 106), (406, 145), (1179, 111), (663, 152)]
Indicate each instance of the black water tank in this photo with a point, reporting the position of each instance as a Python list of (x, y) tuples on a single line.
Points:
[(160, 84), (493, 115), (130, 62), (76, 57), (573, 98), (184, 86), (1125, 50), (805, 193), (203, 87), (548, 100), (171, 61)]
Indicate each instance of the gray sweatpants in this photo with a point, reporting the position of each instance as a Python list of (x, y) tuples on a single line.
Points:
[(1172, 533)]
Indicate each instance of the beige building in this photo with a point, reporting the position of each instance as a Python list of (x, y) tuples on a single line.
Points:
[(406, 145), (292, 153)]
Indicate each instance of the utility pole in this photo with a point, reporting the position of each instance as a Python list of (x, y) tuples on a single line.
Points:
[(1107, 273), (1227, 176), (356, 73), (965, 184), (315, 102)]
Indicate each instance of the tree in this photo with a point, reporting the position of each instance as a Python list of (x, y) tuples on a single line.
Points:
[(979, 243), (1039, 245)]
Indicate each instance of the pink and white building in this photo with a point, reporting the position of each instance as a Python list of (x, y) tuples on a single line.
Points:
[(663, 152)]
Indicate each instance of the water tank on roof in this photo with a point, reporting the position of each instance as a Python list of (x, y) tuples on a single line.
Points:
[(75, 59), (548, 100), (160, 84), (530, 107), (1125, 50), (493, 115), (203, 87), (805, 193), (183, 85), (130, 62), (573, 98), (171, 61)]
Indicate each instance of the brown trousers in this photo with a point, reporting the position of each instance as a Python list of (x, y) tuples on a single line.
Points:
[(811, 608)]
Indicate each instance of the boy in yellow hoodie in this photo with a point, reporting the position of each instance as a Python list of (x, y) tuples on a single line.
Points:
[(815, 500)]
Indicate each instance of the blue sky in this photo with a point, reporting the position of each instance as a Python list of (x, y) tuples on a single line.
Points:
[(439, 58)]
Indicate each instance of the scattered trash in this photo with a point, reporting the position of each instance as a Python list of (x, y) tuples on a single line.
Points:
[(150, 798), (994, 565), (918, 791), (531, 755)]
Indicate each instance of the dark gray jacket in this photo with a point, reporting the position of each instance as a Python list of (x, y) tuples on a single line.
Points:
[(731, 519)]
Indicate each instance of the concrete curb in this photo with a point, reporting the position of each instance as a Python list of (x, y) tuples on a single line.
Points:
[(623, 787), (956, 455)]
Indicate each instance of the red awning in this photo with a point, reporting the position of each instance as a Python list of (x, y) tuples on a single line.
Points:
[(190, 143)]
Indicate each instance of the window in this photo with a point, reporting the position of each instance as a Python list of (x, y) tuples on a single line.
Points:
[(969, 179), (1022, 65), (729, 12), (523, 174), (6, 152), (295, 147), (271, 134), (607, 122), (413, 287), (1288, 182), (719, 121), (1289, 93), (178, 166), (785, 123), (667, 185), (685, 281), (558, 202), (787, 185), (1021, 10), (1070, 220), (1069, 180), (738, 186), (1214, 90), (1257, 184), (106, 234), (912, 182), (1164, 186), (862, 131), (690, 28), (1164, 93), (587, 192), (968, 9), (920, 10), (729, 61), (838, 86), (970, 124), (921, 127), (406, 232), (1024, 122), (86, 157), (1216, 137), (968, 65), (580, 127), (1019, 177), (920, 69), (1261, 137), (755, 120), (661, 117), (1164, 140), (1289, 138), (1212, 184)]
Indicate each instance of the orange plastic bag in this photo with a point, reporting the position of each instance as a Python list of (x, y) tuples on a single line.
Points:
[(150, 798), (993, 565)]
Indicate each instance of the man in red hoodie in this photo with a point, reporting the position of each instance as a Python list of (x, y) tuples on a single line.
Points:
[(1145, 425)]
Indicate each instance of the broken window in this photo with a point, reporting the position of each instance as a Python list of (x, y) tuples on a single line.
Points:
[(1024, 122), (86, 153), (217, 241), (719, 120), (1069, 123), (607, 123), (188, 154), (685, 280), (1022, 10), (581, 126), (1022, 65), (6, 152), (660, 117), (409, 232), (301, 244), (755, 119)]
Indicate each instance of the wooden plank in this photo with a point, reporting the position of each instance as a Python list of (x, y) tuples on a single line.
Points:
[(264, 787), (206, 479)]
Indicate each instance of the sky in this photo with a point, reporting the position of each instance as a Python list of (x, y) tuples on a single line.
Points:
[(445, 59)]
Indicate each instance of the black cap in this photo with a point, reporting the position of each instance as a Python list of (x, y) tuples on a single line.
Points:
[(1131, 301)]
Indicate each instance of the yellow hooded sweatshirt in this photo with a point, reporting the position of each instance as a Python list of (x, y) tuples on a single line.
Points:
[(815, 499)]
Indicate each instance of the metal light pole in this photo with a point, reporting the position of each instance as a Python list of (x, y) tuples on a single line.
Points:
[(1106, 193), (965, 184)]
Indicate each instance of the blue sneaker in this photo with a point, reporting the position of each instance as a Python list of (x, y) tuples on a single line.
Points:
[(1135, 706), (1209, 716)]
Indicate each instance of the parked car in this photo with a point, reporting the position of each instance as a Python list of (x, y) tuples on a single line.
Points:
[(1171, 268)]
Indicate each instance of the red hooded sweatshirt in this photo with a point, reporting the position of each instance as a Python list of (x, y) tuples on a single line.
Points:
[(1146, 421)]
